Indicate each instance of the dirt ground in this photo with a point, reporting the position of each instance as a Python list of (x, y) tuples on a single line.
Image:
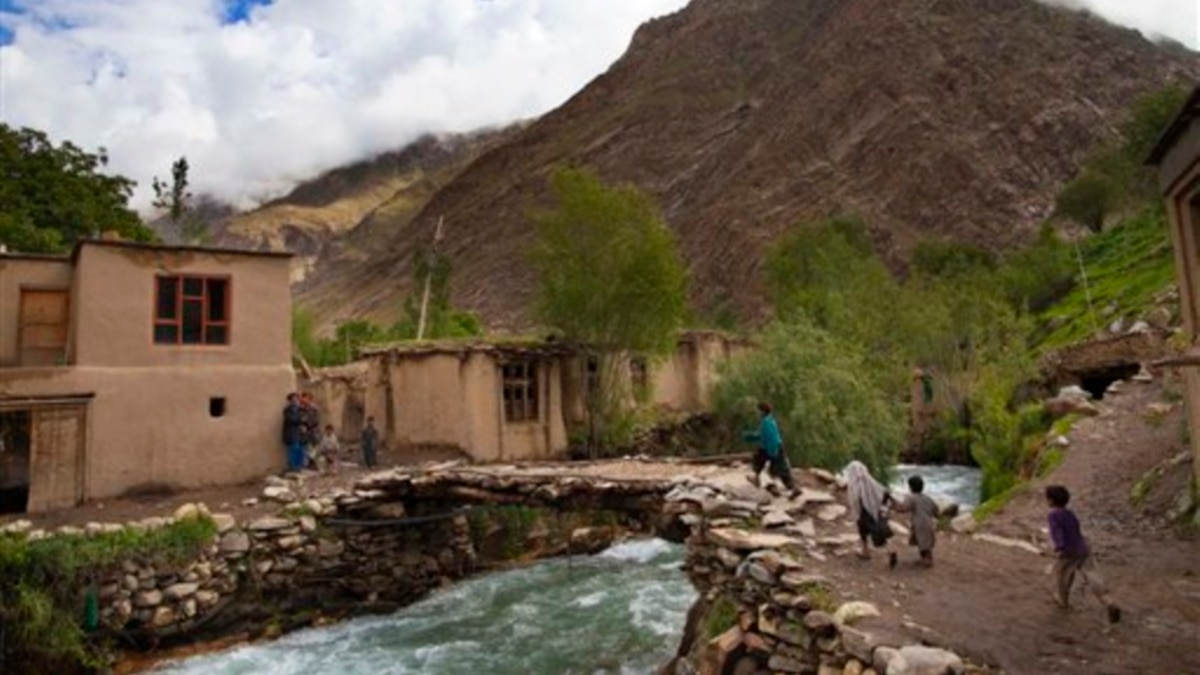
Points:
[(220, 499), (993, 603), (989, 602)]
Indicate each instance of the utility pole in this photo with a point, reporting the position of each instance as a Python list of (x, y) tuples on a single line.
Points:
[(431, 258)]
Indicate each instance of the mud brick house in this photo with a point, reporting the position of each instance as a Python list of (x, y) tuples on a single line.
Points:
[(1177, 157), (502, 401), (128, 366)]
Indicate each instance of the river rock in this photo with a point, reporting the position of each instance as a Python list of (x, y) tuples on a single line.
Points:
[(308, 524), (130, 582), (783, 664), (591, 539), (758, 572), (920, 660), (778, 626), (150, 598), (17, 527), (964, 523), (883, 657), (853, 667), (189, 511), (177, 592), (277, 481), (729, 508), (831, 512), (819, 623), (224, 522), (235, 541), (327, 548), (290, 542), (162, 617), (206, 599), (279, 494), (1007, 543), (268, 524), (741, 540), (775, 519), (852, 612)]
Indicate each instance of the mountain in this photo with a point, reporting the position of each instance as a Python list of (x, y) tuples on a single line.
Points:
[(335, 220), (928, 118)]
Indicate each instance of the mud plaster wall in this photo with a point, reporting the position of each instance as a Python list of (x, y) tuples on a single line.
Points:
[(456, 401), (149, 420)]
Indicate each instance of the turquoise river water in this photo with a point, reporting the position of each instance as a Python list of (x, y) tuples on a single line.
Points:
[(619, 612)]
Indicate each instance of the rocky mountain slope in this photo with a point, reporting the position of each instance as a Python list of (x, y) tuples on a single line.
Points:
[(929, 118), (336, 219)]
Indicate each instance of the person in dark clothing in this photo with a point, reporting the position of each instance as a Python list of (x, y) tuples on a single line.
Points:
[(311, 426), (1074, 557), (770, 449), (369, 442), (293, 433)]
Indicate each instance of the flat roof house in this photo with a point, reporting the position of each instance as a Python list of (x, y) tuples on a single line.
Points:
[(1177, 157), (129, 366)]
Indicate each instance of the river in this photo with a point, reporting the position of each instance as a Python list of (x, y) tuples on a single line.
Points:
[(959, 484), (622, 611)]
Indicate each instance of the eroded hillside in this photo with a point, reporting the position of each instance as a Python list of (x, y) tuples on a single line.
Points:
[(930, 118)]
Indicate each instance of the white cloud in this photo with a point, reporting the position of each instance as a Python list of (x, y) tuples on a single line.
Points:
[(307, 85), (304, 86)]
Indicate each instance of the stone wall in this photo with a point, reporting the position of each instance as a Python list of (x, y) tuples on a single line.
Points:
[(762, 609), (307, 551)]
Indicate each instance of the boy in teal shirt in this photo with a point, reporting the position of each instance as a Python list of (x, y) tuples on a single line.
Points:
[(770, 449)]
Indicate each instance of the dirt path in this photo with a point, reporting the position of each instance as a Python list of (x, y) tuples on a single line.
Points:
[(992, 602)]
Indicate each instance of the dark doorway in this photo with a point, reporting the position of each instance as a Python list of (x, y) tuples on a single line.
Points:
[(14, 461), (1096, 382)]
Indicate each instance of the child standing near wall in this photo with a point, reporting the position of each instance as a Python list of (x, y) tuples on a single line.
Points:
[(1074, 558), (329, 449)]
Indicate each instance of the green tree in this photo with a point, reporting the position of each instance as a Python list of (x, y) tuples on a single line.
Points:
[(1089, 199), (442, 320), (176, 200), (52, 196), (826, 398), (610, 279)]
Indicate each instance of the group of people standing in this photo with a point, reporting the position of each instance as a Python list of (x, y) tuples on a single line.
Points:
[(870, 503), (308, 447)]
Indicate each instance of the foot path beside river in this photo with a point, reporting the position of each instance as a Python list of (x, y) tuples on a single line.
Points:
[(992, 603), (987, 601)]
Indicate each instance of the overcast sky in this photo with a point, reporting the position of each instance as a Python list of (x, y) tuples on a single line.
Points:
[(259, 94)]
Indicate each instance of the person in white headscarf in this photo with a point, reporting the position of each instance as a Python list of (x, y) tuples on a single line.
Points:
[(866, 499)]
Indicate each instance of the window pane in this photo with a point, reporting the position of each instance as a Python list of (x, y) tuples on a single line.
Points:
[(216, 299), (193, 315), (166, 334), (167, 287), (216, 335), (193, 286)]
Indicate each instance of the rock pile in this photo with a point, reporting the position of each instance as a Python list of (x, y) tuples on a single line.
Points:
[(750, 553)]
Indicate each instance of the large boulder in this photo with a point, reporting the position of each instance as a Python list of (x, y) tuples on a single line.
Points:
[(919, 660)]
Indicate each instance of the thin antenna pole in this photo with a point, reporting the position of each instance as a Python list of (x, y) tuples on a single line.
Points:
[(1087, 289), (431, 257)]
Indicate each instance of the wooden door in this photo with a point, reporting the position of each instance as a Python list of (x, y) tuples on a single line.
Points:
[(58, 443), (44, 322)]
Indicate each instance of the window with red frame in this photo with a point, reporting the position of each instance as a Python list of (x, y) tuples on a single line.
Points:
[(190, 310)]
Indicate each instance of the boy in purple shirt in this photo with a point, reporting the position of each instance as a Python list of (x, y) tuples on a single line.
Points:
[(1073, 555)]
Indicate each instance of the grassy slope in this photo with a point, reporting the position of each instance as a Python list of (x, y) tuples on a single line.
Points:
[(1127, 266)]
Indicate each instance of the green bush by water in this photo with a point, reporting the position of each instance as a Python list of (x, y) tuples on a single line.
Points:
[(43, 583)]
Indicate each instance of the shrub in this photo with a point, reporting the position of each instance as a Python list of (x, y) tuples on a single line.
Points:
[(826, 399), (43, 583)]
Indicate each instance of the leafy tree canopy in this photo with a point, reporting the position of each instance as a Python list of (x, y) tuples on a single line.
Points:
[(610, 275), (52, 196), (826, 399)]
